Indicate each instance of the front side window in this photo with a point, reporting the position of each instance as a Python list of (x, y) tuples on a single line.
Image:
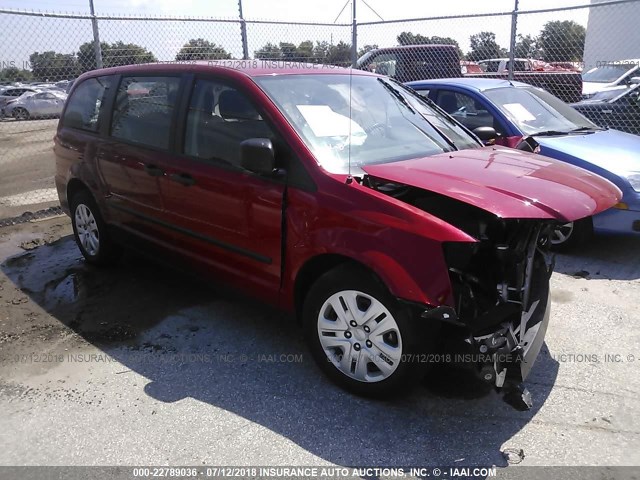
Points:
[(144, 110), (83, 107), (351, 121), (467, 110), (219, 119)]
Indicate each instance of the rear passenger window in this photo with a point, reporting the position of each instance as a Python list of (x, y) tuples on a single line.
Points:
[(84, 104), (219, 119), (144, 109)]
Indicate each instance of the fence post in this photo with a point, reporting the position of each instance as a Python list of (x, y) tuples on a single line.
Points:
[(96, 36), (243, 33), (512, 45), (354, 38)]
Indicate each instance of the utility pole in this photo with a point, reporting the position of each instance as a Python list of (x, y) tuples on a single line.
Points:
[(243, 33), (354, 37), (96, 36), (512, 46)]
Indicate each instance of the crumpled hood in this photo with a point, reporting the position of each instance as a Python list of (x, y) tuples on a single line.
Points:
[(508, 183), (612, 150)]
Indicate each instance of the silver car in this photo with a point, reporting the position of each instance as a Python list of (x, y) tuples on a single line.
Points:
[(36, 105), (13, 92)]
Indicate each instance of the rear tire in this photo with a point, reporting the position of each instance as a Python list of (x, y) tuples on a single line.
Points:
[(91, 231), (361, 336), (569, 235)]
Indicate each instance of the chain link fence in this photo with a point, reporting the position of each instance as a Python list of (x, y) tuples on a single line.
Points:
[(556, 49)]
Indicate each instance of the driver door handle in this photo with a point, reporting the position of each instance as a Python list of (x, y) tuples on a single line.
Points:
[(183, 179), (153, 170)]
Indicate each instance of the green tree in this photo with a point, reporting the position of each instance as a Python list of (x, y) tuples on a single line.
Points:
[(289, 51), (321, 52), (365, 49), (339, 54), (527, 47), (483, 46), (410, 38), (201, 49), (15, 74), (53, 66), (304, 51), (113, 55), (270, 51), (562, 41)]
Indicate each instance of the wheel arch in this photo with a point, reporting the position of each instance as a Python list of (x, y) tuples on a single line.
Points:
[(317, 266), (74, 186)]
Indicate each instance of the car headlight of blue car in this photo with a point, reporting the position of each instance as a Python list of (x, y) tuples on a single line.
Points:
[(634, 180)]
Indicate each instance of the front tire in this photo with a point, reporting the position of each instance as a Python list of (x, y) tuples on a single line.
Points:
[(569, 235), (90, 231), (362, 337), (21, 114)]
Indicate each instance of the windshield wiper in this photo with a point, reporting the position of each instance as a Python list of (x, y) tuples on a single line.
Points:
[(550, 133), (404, 102), (556, 133), (587, 129), (398, 95)]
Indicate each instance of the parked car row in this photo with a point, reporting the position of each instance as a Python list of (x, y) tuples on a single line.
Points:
[(23, 103), (343, 197), (606, 94), (518, 115)]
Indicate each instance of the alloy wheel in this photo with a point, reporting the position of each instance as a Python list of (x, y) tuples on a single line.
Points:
[(561, 233)]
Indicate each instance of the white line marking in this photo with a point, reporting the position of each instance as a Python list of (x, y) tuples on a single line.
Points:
[(30, 198)]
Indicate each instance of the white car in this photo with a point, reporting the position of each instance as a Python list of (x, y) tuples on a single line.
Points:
[(609, 76), (36, 105)]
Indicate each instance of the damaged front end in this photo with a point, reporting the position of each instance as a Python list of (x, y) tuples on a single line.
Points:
[(500, 287), (501, 294)]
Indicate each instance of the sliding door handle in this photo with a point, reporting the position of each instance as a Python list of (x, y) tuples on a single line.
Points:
[(183, 179)]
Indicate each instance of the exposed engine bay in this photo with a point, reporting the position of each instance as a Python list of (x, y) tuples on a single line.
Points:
[(500, 283)]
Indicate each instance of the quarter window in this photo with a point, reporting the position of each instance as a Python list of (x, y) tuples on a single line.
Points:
[(144, 110), (219, 119), (84, 105)]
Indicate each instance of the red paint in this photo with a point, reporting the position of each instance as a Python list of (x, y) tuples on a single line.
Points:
[(509, 183), (400, 243)]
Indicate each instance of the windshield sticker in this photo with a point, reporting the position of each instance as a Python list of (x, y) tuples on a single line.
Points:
[(519, 112), (324, 122)]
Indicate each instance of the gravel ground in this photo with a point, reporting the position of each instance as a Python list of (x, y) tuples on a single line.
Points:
[(140, 364)]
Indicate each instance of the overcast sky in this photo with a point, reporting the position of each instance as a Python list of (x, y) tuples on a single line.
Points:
[(22, 36)]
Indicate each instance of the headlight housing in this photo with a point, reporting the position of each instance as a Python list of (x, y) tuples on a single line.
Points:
[(634, 180)]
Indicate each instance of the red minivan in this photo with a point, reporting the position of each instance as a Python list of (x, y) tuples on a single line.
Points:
[(341, 196)]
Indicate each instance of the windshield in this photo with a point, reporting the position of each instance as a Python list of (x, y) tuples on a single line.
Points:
[(607, 73), (362, 120), (609, 95), (535, 111)]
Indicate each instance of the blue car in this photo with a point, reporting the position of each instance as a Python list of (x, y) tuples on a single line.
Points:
[(525, 115)]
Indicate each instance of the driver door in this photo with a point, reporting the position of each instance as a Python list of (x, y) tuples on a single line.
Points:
[(228, 217)]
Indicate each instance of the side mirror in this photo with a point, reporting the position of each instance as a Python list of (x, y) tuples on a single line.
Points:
[(257, 156), (488, 135)]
